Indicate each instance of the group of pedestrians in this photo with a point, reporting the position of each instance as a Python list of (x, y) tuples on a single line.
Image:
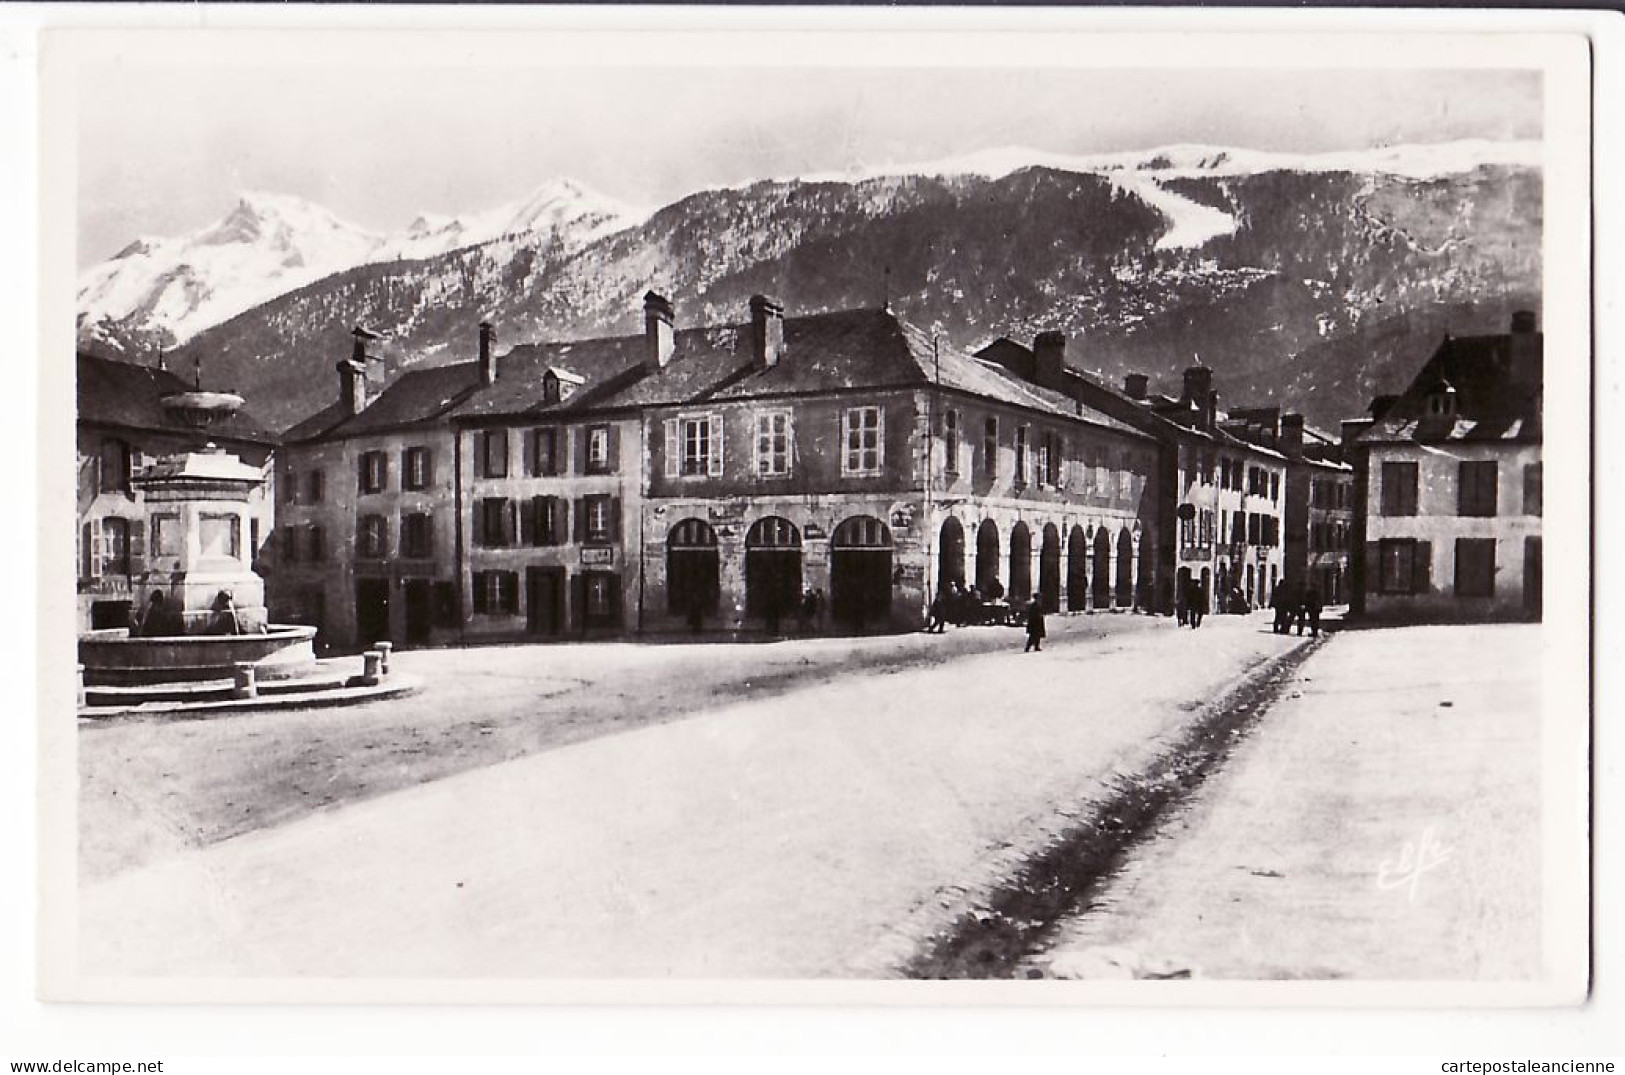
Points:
[(1294, 607)]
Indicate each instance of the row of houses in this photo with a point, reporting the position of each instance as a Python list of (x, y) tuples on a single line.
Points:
[(708, 478)]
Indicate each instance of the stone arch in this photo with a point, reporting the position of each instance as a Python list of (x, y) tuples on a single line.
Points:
[(1049, 569), (950, 555), (772, 569), (1125, 568), (1101, 591), (987, 556), (1021, 562), (692, 563), (1077, 570), (860, 582)]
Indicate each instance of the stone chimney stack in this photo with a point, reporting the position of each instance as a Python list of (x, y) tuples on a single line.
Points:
[(1135, 385), (766, 330), (355, 377), (1049, 360), (1199, 393), (1352, 429), (488, 360), (1525, 351), (1291, 439), (657, 329)]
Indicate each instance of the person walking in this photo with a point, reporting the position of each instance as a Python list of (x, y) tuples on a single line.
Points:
[(1311, 606), (1197, 600), (1035, 626), (1281, 602), (935, 623)]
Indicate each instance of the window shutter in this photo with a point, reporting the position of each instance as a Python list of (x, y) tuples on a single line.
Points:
[(479, 522), (613, 448), (790, 441), (510, 522), (561, 519), (1373, 567), (759, 451), (527, 521), (1422, 568), (615, 518), (138, 546), (532, 464), (479, 591), (583, 439), (428, 467), (361, 473), (581, 520), (713, 465), (510, 592), (673, 449)]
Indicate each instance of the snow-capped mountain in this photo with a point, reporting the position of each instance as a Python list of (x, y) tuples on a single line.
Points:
[(1259, 262), (163, 291)]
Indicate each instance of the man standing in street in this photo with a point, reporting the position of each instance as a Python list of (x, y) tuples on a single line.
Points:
[(1035, 626), (1196, 600), (1311, 607)]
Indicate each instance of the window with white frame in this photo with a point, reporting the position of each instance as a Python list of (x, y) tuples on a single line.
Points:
[(374, 472), (1022, 460), (950, 440), (492, 457), (600, 519), (597, 449), (773, 440), (416, 472), (694, 446), (861, 436)]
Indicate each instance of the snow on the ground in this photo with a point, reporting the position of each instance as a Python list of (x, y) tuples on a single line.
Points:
[(270, 244), (780, 837), (1166, 162), (1382, 822), (1190, 223)]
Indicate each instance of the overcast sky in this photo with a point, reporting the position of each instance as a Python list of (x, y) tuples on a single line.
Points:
[(164, 149)]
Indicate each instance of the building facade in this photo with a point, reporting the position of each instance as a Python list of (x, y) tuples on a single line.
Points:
[(130, 417), (1450, 518), (704, 479), (1317, 510), (1215, 499)]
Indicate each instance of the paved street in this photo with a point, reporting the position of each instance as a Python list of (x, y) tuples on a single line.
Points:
[(1381, 822), (784, 834)]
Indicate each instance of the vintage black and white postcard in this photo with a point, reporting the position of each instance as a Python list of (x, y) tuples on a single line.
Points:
[(550, 508)]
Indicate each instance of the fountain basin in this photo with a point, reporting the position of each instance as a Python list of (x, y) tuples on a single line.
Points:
[(114, 658)]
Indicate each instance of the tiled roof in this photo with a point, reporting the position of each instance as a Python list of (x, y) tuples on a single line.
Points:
[(1490, 405), (123, 394), (419, 395), (844, 350)]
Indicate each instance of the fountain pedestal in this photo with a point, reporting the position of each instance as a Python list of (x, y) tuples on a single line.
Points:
[(199, 539)]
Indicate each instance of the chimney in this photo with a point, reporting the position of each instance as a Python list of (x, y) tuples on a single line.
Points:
[(766, 330), (355, 377), (1210, 416), (1353, 428), (1291, 441), (657, 329), (1525, 351), (352, 385), (488, 362), (1049, 359), (1198, 383), (1135, 385)]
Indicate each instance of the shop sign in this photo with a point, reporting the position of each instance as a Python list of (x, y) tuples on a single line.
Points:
[(598, 556)]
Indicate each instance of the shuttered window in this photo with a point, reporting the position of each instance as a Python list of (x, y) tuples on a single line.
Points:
[(1531, 489), (1398, 490), (1475, 567), (1475, 488)]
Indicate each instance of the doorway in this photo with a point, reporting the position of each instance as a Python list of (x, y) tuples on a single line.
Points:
[(419, 611), (544, 600), (371, 611)]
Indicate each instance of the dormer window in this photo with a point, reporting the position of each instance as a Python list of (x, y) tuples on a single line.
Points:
[(550, 387), (1442, 401)]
